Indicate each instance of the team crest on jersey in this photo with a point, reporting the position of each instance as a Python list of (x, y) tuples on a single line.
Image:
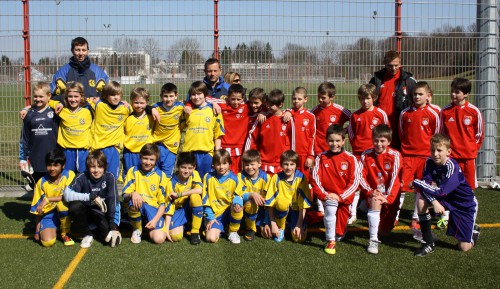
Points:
[(240, 110), (333, 118), (327, 166), (467, 120), (50, 114), (344, 166), (152, 187), (305, 122), (425, 121), (120, 117), (82, 121), (91, 83), (103, 186), (176, 117), (207, 119), (283, 127), (387, 166), (176, 144), (375, 121)]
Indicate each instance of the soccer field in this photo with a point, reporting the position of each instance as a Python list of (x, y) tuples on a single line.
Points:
[(262, 263)]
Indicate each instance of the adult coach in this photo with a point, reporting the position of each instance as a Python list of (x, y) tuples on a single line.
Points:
[(79, 69), (215, 83), (394, 87)]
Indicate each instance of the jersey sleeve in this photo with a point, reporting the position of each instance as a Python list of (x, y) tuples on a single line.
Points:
[(130, 185), (448, 185), (395, 182), (219, 126), (38, 196), (112, 214), (316, 180), (271, 191), (304, 199), (24, 148), (252, 135), (347, 195)]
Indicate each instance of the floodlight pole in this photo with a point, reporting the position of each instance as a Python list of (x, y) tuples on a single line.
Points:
[(27, 53)]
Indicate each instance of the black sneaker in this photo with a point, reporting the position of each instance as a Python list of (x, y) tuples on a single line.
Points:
[(249, 235), (475, 234), (195, 239), (424, 250)]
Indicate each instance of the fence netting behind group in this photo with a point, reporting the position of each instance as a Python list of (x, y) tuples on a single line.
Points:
[(271, 44)]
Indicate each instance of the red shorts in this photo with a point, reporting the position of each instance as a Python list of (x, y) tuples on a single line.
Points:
[(235, 154), (468, 167), (413, 168)]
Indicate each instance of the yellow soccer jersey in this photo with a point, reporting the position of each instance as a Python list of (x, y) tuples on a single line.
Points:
[(108, 124), (74, 128), (168, 130), (138, 132), (218, 192), (295, 193), (150, 185), (46, 189), (258, 185), (175, 186), (202, 128)]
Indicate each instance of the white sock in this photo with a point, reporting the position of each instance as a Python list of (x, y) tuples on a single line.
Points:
[(446, 215), (373, 223), (401, 201), (415, 211), (330, 219), (354, 205)]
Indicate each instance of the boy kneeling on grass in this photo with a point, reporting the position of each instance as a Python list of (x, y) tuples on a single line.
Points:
[(444, 187)]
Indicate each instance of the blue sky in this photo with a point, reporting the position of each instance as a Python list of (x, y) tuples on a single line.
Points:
[(278, 22)]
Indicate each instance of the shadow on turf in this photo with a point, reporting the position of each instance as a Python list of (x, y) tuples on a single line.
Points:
[(20, 212)]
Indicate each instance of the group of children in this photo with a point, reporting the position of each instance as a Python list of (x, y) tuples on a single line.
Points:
[(247, 159)]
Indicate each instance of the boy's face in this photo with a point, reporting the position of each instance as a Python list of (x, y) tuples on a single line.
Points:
[(74, 99), (222, 168), (54, 170), (420, 97), (40, 99), (148, 163), (324, 100), (335, 142), (255, 104), (185, 171), (273, 108), (96, 171), (366, 102), (235, 99), (80, 52), (380, 144), (440, 153), (139, 105), (169, 98), (198, 99), (289, 168), (458, 97), (299, 100), (114, 99), (252, 168)]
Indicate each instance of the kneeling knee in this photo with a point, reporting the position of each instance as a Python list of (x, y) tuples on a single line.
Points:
[(48, 243)]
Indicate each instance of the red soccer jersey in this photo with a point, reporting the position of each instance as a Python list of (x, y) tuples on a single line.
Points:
[(235, 124), (464, 125), (337, 173), (386, 96), (305, 131), (416, 128), (271, 138), (326, 116), (389, 164), (360, 128)]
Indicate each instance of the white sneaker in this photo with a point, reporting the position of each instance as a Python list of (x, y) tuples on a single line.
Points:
[(87, 241), (352, 220), (136, 236), (372, 247), (234, 238)]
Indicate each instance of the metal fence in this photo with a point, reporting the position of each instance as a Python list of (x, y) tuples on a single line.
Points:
[(272, 44)]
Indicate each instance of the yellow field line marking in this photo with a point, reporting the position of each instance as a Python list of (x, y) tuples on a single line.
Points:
[(71, 268), (14, 236)]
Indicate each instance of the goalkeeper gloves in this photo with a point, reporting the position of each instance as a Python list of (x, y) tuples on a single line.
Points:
[(99, 202), (114, 237)]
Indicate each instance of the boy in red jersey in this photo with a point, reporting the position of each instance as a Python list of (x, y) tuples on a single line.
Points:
[(273, 136), (334, 181), (327, 113), (417, 124), (360, 128), (236, 114), (381, 184), (463, 123)]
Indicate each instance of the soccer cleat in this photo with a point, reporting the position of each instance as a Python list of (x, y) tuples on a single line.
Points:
[(87, 241), (195, 239), (67, 240), (442, 223), (330, 248), (136, 236), (281, 236), (372, 247), (249, 235), (352, 220), (234, 238), (475, 234), (424, 250)]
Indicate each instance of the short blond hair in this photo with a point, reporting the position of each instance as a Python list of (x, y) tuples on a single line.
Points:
[(43, 86), (440, 139)]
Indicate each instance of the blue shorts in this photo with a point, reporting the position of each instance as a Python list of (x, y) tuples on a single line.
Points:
[(203, 162), (167, 160), (222, 220), (130, 159), (51, 220), (113, 158), (291, 219), (76, 160), (148, 212), (262, 218), (460, 223), (181, 216)]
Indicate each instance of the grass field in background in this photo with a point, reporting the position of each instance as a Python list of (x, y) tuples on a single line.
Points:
[(258, 264)]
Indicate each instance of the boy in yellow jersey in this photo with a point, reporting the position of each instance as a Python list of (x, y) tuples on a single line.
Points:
[(138, 129), (167, 131), (184, 191), (47, 204), (255, 182), (144, 191), (74, 129), (222, 199), (287, 198), (204, 129)]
